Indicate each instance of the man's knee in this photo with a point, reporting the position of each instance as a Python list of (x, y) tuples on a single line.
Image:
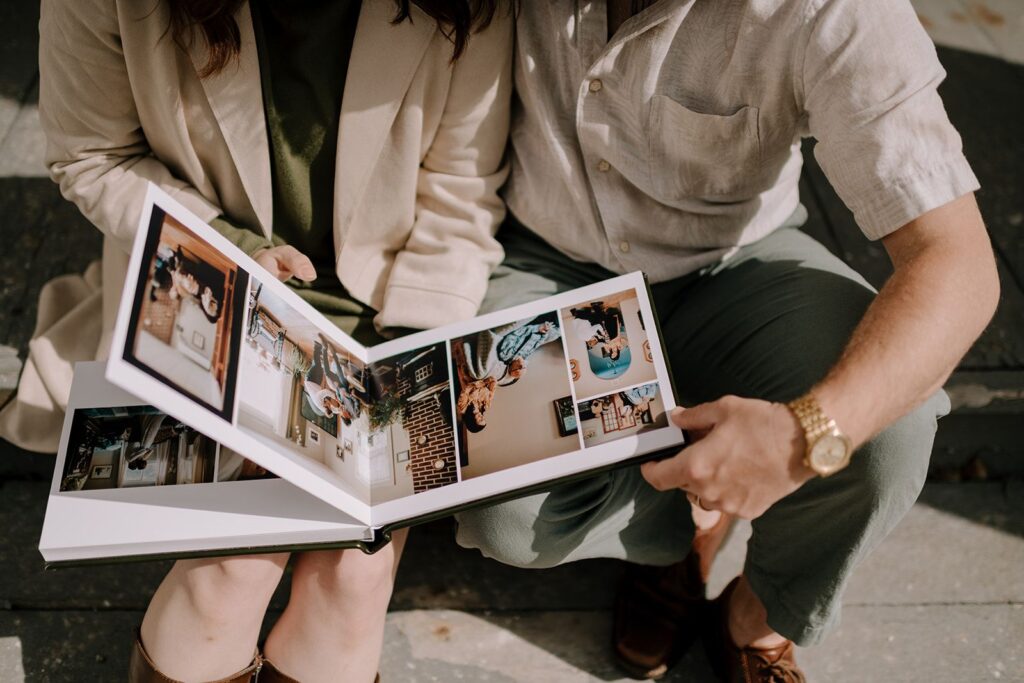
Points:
[(894, 464), (503, 532)]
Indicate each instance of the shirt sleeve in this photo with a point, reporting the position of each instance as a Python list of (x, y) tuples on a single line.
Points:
[(245, 239), (868, 83)]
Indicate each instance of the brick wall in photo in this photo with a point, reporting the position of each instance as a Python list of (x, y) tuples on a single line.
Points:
[(423, 418)]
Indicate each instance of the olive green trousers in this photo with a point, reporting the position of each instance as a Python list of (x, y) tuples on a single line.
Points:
[(768, 323)]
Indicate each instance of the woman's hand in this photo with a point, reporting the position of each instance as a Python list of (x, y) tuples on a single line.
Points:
[(285, 262)]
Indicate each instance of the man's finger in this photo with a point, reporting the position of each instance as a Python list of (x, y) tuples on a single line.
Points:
[(669, 473), (698, 418)]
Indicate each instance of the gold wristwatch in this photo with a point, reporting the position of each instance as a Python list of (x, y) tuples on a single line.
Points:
[(828, 449)]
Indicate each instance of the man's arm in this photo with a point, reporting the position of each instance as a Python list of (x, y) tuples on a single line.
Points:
[(941, 296)]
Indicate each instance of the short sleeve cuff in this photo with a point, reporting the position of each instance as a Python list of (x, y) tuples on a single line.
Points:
[(890, 206)]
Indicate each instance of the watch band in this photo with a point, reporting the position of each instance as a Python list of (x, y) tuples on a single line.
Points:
[(812, 418)]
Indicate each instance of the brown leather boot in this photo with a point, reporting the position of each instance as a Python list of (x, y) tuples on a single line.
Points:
[(734, 664), (658, 610), (142, 670)]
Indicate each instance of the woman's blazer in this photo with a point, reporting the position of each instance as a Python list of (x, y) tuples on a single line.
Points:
[(420, 158)]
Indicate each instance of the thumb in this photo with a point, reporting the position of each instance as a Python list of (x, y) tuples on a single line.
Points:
[(298, 264), (698, 418)]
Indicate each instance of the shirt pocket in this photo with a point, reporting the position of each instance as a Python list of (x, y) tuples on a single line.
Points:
[(702, 156)]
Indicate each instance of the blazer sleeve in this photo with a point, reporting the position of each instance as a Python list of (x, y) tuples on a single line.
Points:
[(451, 250), (96, 148)]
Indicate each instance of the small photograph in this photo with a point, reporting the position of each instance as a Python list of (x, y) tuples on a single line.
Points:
[(298, 390), (410, 442), (113, 448), (622, 413), (507, 380), (608, 344), (231, 466), (186, 317)]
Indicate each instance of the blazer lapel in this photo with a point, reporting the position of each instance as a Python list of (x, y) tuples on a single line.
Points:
[(384, 60), (236, 98)]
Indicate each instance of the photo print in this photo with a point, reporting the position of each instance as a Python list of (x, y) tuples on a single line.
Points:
[(126, 447), (232, 466), (621, 414), (608, 345), (299, 391), (506, 381), (184, 324), (410, 447)]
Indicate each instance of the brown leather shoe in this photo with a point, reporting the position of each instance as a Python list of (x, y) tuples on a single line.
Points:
[(734, 664), (658, 610), (142, 670)]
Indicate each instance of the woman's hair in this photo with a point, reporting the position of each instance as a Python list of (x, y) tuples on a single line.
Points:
[(215, 21)]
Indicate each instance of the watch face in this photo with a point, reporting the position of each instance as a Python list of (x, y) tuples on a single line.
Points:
[(830, 453)]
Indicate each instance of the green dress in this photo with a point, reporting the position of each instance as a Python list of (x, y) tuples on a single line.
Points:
[(304, 48)]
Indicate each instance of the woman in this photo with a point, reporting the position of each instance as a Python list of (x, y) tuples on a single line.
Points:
[(354, 146)]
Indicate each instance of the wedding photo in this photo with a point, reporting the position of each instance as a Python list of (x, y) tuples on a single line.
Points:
[(506, 381), (411, 440), (300, 391), (621, 414), (184, 322), (126, 447), (608, 344)]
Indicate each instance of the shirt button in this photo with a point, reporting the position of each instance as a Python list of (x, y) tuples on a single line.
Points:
[(603, 166), (624, 247), (596, 85)]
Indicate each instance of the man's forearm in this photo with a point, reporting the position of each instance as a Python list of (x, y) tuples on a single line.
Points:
[(942, 295)]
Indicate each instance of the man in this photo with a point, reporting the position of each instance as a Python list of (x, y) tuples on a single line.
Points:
[(666, 138)]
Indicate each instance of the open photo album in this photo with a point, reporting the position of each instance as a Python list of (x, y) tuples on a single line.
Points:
[(232, 417)]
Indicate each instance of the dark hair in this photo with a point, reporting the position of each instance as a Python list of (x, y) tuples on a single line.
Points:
[(469, 420), (215, 21)]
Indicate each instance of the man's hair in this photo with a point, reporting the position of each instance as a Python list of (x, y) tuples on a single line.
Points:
[(214, 20)]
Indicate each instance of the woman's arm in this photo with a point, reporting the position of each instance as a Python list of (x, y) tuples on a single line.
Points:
[(96, 148), (451, 250)]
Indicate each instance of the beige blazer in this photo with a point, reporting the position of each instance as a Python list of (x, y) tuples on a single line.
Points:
[(419, 162)]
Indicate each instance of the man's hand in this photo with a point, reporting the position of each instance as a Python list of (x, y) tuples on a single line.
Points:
[(285, 262), (748, 454)]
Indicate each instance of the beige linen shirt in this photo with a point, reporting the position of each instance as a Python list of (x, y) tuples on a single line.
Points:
[(678, 140)]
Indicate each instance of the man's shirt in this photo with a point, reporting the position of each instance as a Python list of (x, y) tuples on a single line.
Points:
[(666, 147)]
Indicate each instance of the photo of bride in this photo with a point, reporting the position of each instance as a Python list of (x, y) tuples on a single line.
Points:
[(183, 328)]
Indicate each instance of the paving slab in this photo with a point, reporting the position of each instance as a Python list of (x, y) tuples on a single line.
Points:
[(927, 644)]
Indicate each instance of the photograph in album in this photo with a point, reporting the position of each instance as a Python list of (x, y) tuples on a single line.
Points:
[(301, 392), (621, 414), (183, 326), (507, 379), (411, 443), (131, 446), (608, 344)]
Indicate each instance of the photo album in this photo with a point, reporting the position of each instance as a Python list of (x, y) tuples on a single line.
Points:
[(232, 417)]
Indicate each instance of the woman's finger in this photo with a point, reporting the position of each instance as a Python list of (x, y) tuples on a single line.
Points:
[(297, 263)]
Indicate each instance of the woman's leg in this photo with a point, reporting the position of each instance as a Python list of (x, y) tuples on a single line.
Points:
[(333, 627), (205, 618)]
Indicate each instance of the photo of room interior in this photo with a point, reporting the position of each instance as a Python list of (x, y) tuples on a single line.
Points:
[(182, 329), (608, 344), (134, 446), (232, 466), (301, 393), (507, 381), (621, 414), (411, 445)]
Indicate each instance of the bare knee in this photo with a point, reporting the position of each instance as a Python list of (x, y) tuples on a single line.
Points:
[(347, 576), (232, 588)]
